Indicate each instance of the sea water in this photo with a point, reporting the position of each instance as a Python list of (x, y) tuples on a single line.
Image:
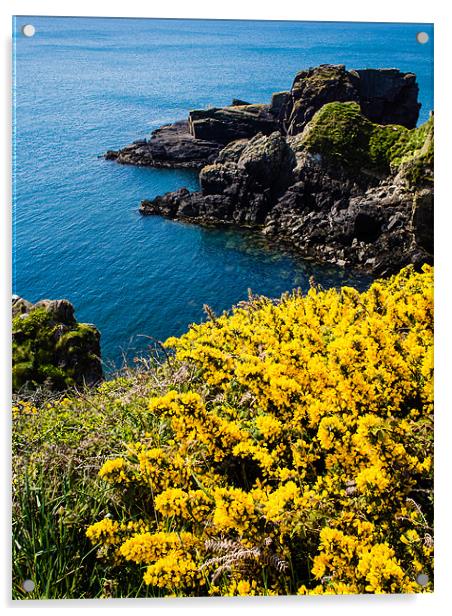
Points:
[(85, 85)]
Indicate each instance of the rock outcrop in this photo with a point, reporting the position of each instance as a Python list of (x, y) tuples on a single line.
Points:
[(345, 190), (385, 96), (223, 125), (334, 168), (169, 147), (51, 348), (240, 190)]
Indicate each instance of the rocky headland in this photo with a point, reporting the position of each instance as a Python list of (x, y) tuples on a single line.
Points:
[(51, 348), (334, 168)]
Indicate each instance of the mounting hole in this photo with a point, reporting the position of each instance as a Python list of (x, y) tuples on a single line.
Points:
[(28, 585), (422, 37), (422, 579), (28, 30)]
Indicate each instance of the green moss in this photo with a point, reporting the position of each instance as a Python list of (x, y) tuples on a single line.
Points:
[(382, 140), (413, 154), (35, 323), (76, 338), (22, 372), (44, 351), (416, 143), (341, 133)]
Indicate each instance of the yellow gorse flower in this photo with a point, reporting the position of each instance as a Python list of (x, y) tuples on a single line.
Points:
[(306, 427)]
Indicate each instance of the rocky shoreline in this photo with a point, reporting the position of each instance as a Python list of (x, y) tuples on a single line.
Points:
[(335, 168)]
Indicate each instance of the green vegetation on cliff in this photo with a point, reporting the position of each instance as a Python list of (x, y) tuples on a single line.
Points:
[(50, 348), (342, 134)]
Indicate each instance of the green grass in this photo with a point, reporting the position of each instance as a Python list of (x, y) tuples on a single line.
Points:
[(48, 547), (57, 452)]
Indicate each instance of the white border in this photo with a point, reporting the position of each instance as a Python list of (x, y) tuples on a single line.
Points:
[(428, 11), (327, 10)]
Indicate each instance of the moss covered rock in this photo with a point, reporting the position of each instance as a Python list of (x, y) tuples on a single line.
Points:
[(342, 135), (385, 96), (314, 88), (51, 348)]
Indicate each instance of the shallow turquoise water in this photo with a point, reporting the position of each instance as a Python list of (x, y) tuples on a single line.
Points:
[(85, 85)]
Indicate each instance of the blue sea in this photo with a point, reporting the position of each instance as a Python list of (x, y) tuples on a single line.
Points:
[(85, 85)]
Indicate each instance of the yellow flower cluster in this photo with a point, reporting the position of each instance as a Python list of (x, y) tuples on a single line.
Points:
[(114, 471), (193, 505), (382, 571), (234, 509), (242, 588), (105, 531), (111, 535), (171, 556), (152, 546), (306, 428), (23, 407), (173, 572)]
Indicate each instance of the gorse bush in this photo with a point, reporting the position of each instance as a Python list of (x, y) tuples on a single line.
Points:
[(290, 450)]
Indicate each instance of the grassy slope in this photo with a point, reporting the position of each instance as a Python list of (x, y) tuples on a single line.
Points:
[(58, 444)]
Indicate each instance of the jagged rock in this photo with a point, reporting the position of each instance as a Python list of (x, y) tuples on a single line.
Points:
[(278, 106), (60, 310), (345, 191), (226, 124), (371, 230), (20, 306), (314, 88), (111, 155), (216, 179), (232, 152), (386, 96), (422, 219), (50, 348), (167, 204), (170, 146), (395, 221), (269, 161), (234, 192)]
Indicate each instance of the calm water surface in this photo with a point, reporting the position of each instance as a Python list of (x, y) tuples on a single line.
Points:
[(83, 86)]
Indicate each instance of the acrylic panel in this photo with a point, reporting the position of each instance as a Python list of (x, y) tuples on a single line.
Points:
[(222, 310)]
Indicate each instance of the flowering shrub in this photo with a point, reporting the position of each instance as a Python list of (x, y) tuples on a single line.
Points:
[(297, 458)]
